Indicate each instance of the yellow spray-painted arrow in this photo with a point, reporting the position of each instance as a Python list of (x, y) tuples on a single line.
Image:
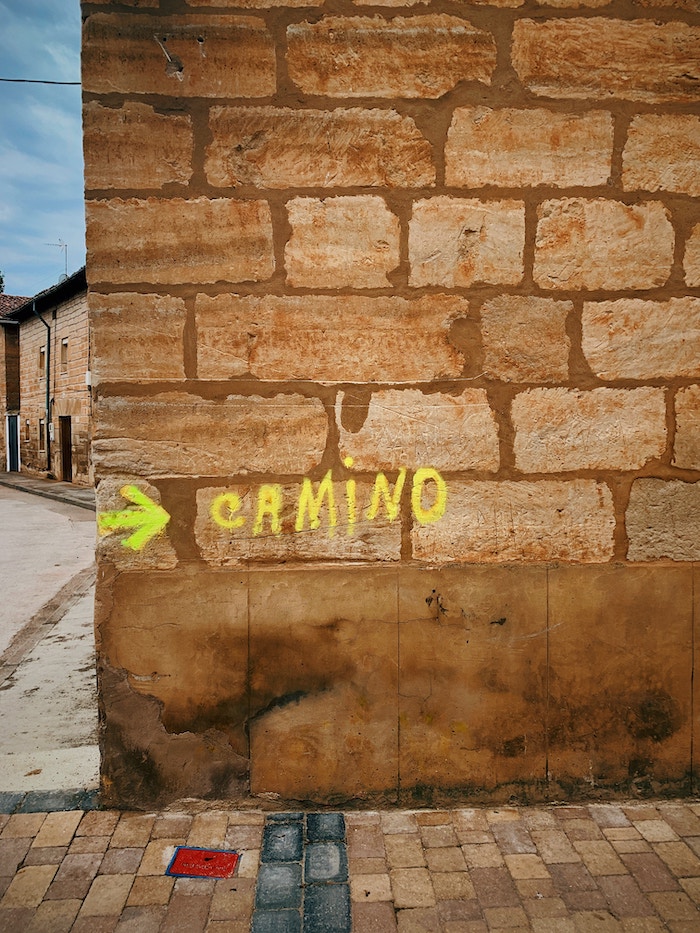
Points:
[(149, 519)]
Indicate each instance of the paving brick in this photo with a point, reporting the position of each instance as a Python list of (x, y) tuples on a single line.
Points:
[(367, 866), (233, 899), (279, 886), (608, 816), (452, 885), (418, 920), (325, 826), (150, 891), (98, 823), (412, 887), (624, 897), (494, 887), (157, 856), (370, 888), (395, 822), (438, 835), (107, 896), (553, 845), (674, 905), (681, 819), (445, 858), (417, 56), (680, 858), (142, 920), (186, 914), (649, 872), (373, 917), (243, 837), (325, 862), (276, 921), (133, 829), (485, 855), (580, 828), (538, 908), (526, 866), (327, 909), (23, 825), (172, 826), (404, 850), (58, 829), (282, 843), (47, 855), (82, 845), (54, 917), (462, 910), (12, 853), (273, 147), (121, 861), (655, 830), (365, 841), (508, 917), (74, 876), (599, 857), (513, 837), (28, 887)]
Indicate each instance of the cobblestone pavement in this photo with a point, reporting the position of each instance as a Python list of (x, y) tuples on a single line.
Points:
[(552, 869)]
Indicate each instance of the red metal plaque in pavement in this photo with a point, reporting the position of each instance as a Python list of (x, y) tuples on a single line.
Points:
[(191, 862)]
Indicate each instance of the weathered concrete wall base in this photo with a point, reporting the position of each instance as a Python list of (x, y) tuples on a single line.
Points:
[(365, 686)]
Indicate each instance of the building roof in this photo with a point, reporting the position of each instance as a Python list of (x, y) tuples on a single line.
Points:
[(10, 303), (49, 298)]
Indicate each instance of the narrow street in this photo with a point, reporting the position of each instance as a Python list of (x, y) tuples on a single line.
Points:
[(48, 707)]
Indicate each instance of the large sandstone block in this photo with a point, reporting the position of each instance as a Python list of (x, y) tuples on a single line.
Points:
[(412, 429), (498, 522), (328, 338), (633, 338), (323, 684), (193, 56), (605, 59), (362, 56), (606, 429), (338, 242), (483, 628), (135, 147), (136, 338), (115, 544), (602, 244), (525, 339), (171, 242), (691, 260), (287, 522), (662, 520), (175, 433), (662, 153), (456, 242), (620, 704), (525, 148), (272, 147), (686, 447)]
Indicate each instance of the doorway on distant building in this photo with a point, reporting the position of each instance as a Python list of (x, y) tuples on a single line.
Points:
[(66, 440), (12, 435)]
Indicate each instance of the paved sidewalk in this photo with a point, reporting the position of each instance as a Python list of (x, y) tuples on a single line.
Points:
[(632, 867), (82, 496)]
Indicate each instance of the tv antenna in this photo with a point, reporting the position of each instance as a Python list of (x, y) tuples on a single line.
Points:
[(64, 247)]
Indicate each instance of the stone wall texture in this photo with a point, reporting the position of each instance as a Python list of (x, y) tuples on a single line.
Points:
[(396, 317)]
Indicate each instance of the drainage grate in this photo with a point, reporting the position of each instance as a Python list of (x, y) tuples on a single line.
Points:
[(302, 883)]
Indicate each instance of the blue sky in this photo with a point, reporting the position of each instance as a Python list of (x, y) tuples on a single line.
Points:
[(41, 156)]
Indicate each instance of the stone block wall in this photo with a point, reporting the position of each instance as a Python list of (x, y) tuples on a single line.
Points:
[(396, 315)]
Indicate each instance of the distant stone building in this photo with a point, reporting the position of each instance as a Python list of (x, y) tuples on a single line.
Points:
[(45, 383)]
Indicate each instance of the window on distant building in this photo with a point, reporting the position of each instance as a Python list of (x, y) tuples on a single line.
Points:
[(42, 362), (64, 355), (42, 434), (27, 434)]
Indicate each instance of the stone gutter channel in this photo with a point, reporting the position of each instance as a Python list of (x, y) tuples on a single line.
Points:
[(302, 884)]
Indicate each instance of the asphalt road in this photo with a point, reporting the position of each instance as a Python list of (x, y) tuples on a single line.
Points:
[(48, 701)]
